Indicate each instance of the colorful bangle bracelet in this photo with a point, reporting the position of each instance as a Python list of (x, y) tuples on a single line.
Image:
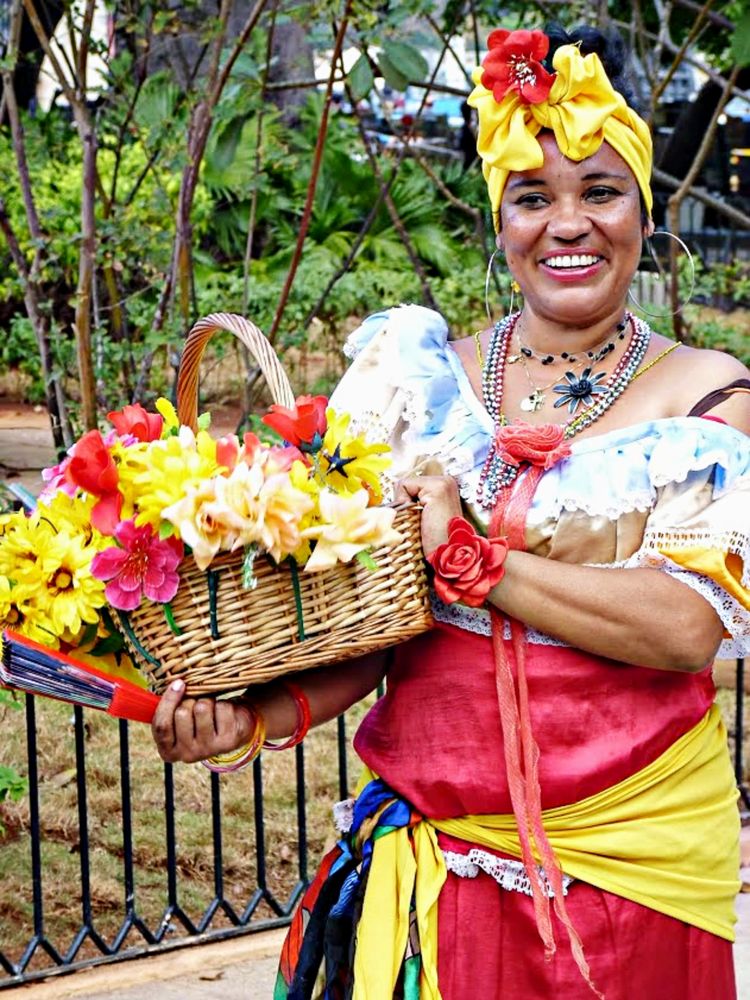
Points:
[(235, 760), (304, 719)]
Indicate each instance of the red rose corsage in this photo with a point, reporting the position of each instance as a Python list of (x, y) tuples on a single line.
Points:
[(468, 565)]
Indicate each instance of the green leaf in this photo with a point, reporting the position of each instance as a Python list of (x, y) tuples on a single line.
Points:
[(741, 40), (166, 530), (112, 644), (204, 421), (391, 73), (409, 61), (365, 559), (361, 79), (227, 141)]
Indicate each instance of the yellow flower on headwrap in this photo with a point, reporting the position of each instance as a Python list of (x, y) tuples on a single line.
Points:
[(581, 107)]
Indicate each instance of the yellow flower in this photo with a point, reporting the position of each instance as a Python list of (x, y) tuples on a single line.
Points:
[(19, 612), (73, 515), (348, 526), (176, 465), (302, 479), (23, 548), (70, 595), (347, 463), (171, 420)]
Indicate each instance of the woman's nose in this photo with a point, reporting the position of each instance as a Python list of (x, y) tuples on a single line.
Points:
[(569, 220)]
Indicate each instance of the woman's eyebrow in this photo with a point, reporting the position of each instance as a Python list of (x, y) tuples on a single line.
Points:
[(604, 175), (522, 182)]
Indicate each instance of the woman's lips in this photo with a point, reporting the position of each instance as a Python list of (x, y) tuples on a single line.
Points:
[(571, 267)]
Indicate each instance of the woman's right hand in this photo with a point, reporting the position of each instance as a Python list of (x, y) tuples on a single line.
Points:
[(191, 729)]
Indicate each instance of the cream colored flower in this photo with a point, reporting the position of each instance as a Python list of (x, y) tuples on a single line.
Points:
[(348, 526)]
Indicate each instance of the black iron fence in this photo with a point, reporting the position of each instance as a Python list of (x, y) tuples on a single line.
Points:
[(38, 953)]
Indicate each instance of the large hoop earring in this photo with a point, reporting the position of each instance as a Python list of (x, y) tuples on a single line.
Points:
[(514, 287), (660, 273), (487, 277)]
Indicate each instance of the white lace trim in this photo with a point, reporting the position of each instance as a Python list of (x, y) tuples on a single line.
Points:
[(477, 620), (734, 542), (508, 874)]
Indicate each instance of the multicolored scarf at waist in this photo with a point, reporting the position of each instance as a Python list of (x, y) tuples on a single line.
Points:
[(666, 837)]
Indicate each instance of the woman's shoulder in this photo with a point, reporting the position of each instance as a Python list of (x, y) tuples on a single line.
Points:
[(693, 375)]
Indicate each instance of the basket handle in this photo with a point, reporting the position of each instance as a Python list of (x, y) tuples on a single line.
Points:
[(255, 341)]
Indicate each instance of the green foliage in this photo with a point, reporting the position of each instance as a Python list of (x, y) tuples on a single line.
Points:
[(13, 786)]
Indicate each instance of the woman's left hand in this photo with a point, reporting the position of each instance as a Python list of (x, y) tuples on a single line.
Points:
[(440, 500)]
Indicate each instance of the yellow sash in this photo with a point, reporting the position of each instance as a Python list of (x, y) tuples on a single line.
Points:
[(666, 837)]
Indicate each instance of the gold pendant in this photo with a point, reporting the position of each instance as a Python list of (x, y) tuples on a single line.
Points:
[(534, 402)]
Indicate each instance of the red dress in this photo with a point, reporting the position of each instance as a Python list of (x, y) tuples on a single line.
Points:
[(435, 737)]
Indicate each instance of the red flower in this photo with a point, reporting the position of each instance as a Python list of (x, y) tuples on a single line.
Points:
[(228, 451), (136, 421), (542, 446), (467, 566), (514, 63), (92, 468), (303, 425)]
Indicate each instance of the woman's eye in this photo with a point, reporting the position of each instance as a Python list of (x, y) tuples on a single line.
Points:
[(532, 200), (601, 193)]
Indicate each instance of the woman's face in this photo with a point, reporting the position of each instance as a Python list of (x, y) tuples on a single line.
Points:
[(572, 234)]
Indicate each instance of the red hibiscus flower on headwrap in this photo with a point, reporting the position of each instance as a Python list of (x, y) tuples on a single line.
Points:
[(542, 446), (514, 62)]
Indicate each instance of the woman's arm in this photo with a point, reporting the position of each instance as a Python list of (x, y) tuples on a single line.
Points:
[(190, 729), (638, 616)]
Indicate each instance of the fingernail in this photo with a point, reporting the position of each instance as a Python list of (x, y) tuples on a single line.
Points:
[(177, 685)]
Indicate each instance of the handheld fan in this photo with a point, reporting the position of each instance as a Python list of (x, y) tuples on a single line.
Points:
[(28, 666)]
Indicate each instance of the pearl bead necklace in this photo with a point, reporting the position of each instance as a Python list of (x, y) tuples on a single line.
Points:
[(497, 474)]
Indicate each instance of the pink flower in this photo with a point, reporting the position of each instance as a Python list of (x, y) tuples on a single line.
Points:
[(134, 420), (514, 63), (56, 479), (228, 451), (542, 446), (144, 565)]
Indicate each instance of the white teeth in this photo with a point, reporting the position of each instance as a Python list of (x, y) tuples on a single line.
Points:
[(572, 260)]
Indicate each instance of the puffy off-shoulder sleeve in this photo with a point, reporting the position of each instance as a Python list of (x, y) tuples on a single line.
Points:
[(406, 386), (699, 527)]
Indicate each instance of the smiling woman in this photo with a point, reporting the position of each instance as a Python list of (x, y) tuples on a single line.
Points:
[(546, 774)]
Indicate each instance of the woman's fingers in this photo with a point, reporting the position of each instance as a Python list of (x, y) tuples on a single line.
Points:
[(163, 724), (440, 501)]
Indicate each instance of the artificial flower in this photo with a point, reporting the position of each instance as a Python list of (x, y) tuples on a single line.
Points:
[(70, 595), (302, 425), (228, 451), (23, 548), (283, 508), (135, 421), (206, 523), (92, 468), (468, 565), (514, 63), (19, 611), (143, 565), (349, 463), (348, 526), (173, 467), (168, 412), (542, 446)]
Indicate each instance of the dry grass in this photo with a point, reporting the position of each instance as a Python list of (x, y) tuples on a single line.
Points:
[(61, 832)]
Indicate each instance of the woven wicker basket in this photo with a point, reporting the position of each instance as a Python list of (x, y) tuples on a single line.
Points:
[(231, 637)]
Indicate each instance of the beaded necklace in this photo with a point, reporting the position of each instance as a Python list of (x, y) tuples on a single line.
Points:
[(497, 473)]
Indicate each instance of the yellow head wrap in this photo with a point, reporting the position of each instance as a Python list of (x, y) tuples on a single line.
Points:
[(582, 109)]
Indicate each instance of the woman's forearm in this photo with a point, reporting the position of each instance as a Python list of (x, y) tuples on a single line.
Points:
[(329, 691), (638, 616)]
